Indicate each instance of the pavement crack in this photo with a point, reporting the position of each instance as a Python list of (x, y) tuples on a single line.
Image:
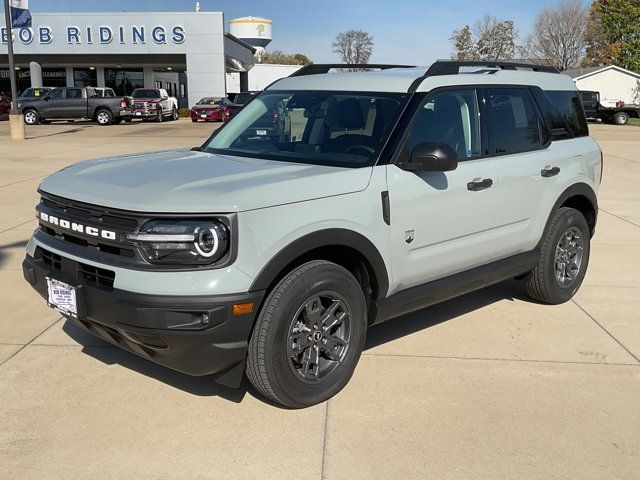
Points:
[(30, 341), (619, 217), (324, 440), (607, 331)]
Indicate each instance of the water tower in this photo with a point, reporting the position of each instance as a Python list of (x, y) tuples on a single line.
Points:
[(253, 30)]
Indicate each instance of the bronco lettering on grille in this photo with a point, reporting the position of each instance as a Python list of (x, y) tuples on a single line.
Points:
[(77, 227)]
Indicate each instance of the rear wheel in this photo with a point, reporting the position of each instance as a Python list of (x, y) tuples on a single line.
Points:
[(564, 257), (104, 117), (621, 118), (31, 117), (194, 120), (309, 335)]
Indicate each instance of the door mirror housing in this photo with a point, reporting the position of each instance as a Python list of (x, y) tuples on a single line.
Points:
[(431, 157)]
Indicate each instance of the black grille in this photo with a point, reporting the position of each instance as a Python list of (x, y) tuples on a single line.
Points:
[(82, 272), (96, 276), (51, 259)]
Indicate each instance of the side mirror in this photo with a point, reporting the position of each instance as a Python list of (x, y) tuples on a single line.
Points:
[(46, 98), (431, 157)]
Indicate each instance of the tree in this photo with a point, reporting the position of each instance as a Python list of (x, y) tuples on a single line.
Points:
[(559, 35), (489, 39), (353, 46), (613, 35), (280, 58), (464, 44)]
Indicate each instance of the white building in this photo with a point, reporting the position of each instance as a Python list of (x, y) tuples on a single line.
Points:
[(613, 83), (187, 53), (260, 76)]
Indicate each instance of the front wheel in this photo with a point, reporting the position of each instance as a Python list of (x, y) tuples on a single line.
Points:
[(564, 257), (309, 335), (104, 117), (174, 114), (159, 117), (621, 118)]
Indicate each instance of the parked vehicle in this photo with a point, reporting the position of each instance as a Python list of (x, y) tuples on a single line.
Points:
[(211, 109), (240, 100), (34, 92), (5, 107), (75, 103), (618, 114), (388, 192), (154, 104)]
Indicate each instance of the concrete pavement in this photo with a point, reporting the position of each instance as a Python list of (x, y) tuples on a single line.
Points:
[(489, 385)]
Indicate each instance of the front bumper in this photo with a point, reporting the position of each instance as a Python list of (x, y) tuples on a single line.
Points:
[(145, 112), (196, 335)]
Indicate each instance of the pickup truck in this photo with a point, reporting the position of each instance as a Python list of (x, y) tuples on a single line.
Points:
[(75, 103), (154, 104), (618, 115)]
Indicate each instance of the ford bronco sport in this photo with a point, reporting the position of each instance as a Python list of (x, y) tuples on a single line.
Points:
[(271, 252)]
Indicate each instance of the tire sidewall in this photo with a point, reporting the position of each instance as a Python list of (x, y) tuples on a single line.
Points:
[(298, 392), (621, 119), (109, 116), (568, 217), (35, 114)]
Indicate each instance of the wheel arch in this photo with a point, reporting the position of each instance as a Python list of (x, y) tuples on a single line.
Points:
[(581, 197), (342, 246)]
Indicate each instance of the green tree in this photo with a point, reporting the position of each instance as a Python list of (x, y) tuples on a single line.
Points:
[(464, 44), (278, 57), (489, 39), (614, 34)]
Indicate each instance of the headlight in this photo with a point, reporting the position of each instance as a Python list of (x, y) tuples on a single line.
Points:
[(179, 242)]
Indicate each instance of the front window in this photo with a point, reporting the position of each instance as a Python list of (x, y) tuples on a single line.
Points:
[(344, 129), (145, 93)]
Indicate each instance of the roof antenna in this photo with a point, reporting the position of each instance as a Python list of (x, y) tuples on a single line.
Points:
[(197, 7)]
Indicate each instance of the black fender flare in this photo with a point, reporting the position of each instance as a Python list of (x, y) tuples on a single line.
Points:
[(338, 237), (577, 189)]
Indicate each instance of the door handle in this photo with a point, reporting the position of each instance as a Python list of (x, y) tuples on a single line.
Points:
[(479, 184), (549, 171)]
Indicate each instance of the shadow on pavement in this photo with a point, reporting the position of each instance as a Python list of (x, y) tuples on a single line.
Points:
[(377, 335), (4, 248)]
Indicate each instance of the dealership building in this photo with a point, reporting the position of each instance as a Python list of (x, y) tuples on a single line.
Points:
[(188, 54)]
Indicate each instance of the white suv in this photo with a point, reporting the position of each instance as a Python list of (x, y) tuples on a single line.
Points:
[(329, 203)]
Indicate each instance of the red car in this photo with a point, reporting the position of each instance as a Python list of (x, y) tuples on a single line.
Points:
[(211, 109), (5, 106)]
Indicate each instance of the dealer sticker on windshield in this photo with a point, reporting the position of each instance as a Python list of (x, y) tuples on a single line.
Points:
[(62, 297), (261, 132)]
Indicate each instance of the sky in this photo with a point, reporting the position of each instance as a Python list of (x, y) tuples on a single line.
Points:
[(404, 31)]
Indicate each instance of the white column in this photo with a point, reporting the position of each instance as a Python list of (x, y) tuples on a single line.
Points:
[(36, 74), (100, 76), (148, 77), (70, 82)]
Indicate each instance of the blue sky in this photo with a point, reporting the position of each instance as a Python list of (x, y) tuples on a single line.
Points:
[(405, 31)]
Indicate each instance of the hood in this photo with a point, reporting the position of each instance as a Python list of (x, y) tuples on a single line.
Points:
[(150, 99), (186, 181)]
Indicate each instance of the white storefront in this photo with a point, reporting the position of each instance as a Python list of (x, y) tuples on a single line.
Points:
[(187, 53)]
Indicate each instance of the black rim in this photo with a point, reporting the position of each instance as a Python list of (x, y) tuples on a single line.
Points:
[(318, 337)]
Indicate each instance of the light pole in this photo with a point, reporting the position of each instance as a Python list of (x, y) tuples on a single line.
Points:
[(16, 121)]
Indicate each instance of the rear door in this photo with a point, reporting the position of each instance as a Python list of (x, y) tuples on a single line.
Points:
[(532, 169), (75, 105), (442, 222), (590, 103)]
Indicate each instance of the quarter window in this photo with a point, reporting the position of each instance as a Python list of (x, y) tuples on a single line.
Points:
[(449, 117), (74, 93), (512, 125)]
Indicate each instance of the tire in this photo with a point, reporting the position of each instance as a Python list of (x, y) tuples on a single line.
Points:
[(621, 118), (117, 120), (159, 117), (174, 114), (31, 117), (288, 359), (128, 120), (45, 122), (194, 120), (104, 117), (549, 282)]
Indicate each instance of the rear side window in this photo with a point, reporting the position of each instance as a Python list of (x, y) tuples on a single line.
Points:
[(74, 93), (569, 105), (512, 125)]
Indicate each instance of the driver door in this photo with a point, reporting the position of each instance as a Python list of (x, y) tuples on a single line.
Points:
[(443, 223), (53, 104)]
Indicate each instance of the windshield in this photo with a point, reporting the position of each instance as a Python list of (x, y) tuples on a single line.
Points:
[(210, 101), (345, 129), (144, 93)]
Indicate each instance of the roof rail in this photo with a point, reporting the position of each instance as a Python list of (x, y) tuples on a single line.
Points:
[(452, 67), (318, 68)]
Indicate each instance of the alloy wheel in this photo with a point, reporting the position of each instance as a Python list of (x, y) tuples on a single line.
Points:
[(318, 337), (103, 118), (30, 118), (568, 257)]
